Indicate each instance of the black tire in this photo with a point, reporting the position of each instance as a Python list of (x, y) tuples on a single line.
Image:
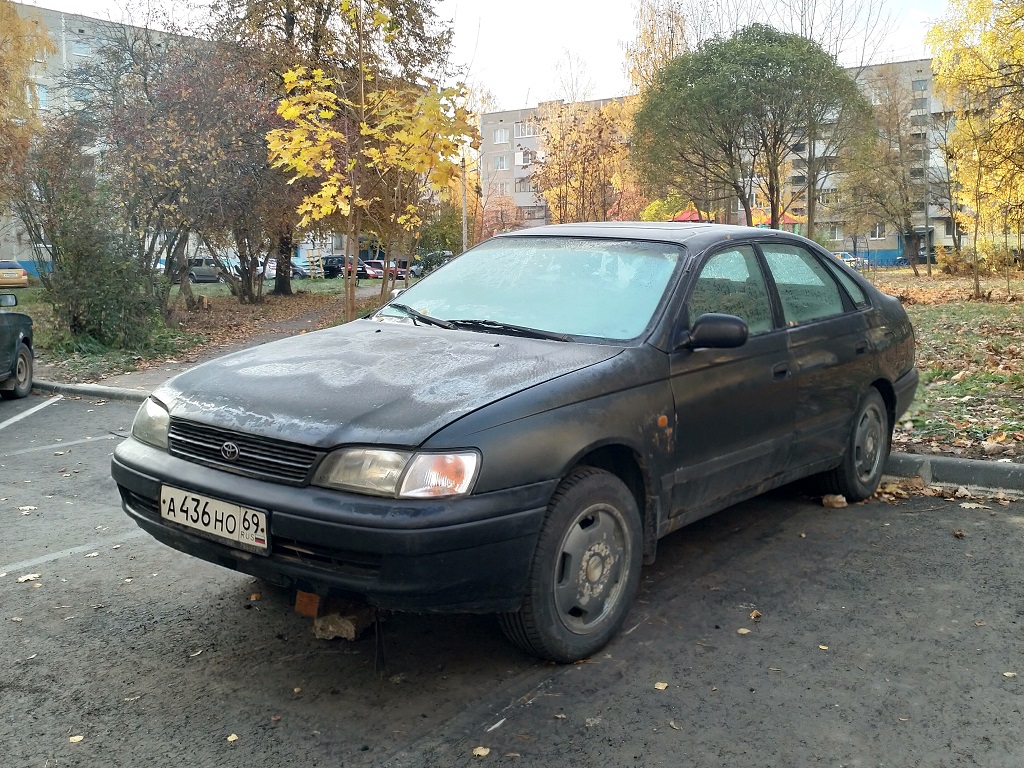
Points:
[(191, 277), (870, 441), (22, 375), (585, 570)]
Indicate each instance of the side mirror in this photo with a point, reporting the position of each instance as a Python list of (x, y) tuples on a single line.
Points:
[(396, 293), (716, 331), (8, 300)]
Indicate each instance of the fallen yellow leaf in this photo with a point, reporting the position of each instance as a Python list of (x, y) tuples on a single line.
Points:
[(661, 686), (481, 752), (1009, 674), (755, 615), (823, 647), (233, 737), (742, 631), (76, 739)]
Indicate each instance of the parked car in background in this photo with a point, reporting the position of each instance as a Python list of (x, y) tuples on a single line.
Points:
[(203, 269), (392, 268), (16, 355), (13, 275), (334, 266), (515, 432), (300, 268)]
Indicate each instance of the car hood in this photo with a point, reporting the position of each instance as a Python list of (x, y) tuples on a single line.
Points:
[(368, 382)]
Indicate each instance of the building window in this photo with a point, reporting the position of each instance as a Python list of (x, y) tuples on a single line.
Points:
[(917, 173), (81, 48), (919, 85), (920, 103), (526, 157), (501, 163), (502, 188), (501, 135), (525, 185), (835, 233), (532, 212), (919, 119), (526, 129), (42, 96), (828, 197), (801, 147), (878, 231), (798, 180)]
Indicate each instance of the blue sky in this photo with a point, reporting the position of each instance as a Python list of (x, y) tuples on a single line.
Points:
[(515, 49)]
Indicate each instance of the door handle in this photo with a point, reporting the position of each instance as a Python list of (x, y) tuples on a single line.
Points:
[(861, 347), (780, 371)]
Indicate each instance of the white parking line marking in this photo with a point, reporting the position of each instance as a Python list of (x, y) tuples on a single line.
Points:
[(25, 564), (30, 411), (58, 446)]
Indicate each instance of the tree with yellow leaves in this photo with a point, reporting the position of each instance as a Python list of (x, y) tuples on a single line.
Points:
[(372, 150), (978, 55), (21, 42)]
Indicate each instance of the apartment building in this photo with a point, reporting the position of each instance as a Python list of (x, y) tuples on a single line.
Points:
[(511, 144), (74, 39)]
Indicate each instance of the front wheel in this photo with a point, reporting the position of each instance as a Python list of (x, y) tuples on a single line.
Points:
[(22, 375), (585, 570), (868, 447)]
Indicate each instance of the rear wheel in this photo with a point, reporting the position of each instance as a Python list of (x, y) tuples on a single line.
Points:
[(585, 571), (22, 375), (866, 452)]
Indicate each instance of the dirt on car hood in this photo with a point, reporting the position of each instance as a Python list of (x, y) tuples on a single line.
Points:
[(368, 382)]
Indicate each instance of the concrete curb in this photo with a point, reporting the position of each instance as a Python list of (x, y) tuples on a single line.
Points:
[(98, 391), (974, 474)]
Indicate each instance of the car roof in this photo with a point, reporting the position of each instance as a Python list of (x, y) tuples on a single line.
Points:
[(695, 235)]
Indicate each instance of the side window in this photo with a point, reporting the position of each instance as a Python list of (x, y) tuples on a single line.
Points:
[(807, 290), (857, 295), (731, 282)]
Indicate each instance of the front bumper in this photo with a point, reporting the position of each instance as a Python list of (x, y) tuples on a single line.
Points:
[(468, 554)]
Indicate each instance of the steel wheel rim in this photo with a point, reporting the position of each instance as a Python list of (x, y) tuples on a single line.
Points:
[(591, 569), (21, 374), (869, 438)]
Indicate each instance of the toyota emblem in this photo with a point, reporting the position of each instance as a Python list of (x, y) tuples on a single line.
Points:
[(229, 451)]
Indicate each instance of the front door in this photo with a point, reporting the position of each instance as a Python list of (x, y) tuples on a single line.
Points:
[(734, 407)]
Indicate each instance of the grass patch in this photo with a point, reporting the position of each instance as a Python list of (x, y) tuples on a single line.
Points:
[(971, 358)]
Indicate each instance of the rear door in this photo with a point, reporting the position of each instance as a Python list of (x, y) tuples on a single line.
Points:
[(832, 353), (734, 407)]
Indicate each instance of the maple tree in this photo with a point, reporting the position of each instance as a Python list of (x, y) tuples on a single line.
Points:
[(978, 56), (373, 145)]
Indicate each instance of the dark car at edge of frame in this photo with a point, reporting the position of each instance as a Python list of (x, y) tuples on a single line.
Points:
[(16, 352), (515, 433)]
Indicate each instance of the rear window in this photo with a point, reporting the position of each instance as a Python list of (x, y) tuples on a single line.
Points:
[(10, 265)]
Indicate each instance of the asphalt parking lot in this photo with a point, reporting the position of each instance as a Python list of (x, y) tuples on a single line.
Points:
[(885, 634)]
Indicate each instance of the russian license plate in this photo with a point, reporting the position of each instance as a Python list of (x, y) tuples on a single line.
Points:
[(11, 274), (236, 525)]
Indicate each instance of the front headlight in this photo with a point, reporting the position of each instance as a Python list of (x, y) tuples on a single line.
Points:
[(151, 424), (399, 473), (439, 474)]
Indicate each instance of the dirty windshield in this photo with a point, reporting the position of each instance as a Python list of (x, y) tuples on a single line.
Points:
[(572, 286)]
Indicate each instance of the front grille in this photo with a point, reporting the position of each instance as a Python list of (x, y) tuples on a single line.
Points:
[(365, 564), (259, 457)]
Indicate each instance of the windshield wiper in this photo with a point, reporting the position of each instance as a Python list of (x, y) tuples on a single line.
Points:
[(427, 319), (494, 326)]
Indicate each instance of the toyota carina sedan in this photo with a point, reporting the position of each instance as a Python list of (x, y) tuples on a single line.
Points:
[(514, 433)]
